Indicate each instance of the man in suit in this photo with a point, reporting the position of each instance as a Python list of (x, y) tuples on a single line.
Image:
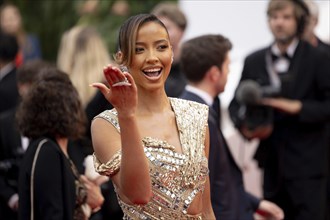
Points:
[(294, 152), (311, 37), (8, 92), (205, 62), (8, 88), (12, 144)]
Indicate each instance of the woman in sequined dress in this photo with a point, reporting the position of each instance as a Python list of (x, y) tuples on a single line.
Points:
[(154, 148)]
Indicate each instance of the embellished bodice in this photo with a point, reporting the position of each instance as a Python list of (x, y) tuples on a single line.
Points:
[(176, 177)]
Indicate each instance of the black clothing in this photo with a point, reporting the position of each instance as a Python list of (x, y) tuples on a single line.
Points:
[(54, 183), (8, 91), (297, 148), (176, 82)]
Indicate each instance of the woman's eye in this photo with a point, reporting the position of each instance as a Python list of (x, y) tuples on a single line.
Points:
[(163, 47), (138, 50)]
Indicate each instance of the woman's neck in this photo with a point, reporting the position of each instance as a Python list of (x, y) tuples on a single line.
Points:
[(153, 102)]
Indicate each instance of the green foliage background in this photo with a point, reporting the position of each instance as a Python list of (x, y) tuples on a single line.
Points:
[(49, 19)]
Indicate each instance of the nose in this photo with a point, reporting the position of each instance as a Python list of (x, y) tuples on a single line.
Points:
[(279, 20), (151, 56)]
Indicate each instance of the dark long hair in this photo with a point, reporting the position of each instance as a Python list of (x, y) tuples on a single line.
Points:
[(51, 108)]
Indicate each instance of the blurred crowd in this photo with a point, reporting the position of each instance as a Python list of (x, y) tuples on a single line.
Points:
[(292, 121)]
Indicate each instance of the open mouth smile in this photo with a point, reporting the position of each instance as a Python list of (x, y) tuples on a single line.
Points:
[(152, 73)]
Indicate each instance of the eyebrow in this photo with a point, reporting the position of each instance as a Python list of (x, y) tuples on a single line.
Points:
[(156, 42)]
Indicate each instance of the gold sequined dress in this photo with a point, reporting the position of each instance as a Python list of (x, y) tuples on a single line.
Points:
[(176, 177)]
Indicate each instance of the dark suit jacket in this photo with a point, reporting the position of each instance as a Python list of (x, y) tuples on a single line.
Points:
[(176, 82), (10, 150), (229, 199), (324, 47), (297, 145), (54, 183), (8, 91)]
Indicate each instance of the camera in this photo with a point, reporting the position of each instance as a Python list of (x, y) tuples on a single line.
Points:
[(251, 113), (9, 168)]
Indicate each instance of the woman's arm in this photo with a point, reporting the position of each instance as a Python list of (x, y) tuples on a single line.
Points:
[(207, 206), (133, 179)]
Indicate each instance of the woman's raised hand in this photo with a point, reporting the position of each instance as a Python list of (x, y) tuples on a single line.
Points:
[(122, 92)]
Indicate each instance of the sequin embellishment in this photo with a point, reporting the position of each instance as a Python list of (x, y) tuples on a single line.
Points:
[(176, 177)]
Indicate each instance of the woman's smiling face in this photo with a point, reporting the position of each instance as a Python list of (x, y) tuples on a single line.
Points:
[(152, 58)]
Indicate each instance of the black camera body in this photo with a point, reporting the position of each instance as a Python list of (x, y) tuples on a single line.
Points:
[(251, 113), (9, 168)]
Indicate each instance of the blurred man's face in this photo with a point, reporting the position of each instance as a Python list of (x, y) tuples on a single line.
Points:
[(224, 74), (310, 27), (283, 24), (175, 33), (10, 20)]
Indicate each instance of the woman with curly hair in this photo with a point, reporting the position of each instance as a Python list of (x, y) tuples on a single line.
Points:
[(50, 186)]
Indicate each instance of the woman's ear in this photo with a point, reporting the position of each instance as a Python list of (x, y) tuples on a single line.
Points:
[(118, 56)]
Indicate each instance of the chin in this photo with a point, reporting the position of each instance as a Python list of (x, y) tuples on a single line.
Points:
[(284, 39)]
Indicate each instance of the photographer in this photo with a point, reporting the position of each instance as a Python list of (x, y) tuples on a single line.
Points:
[(291, 125)]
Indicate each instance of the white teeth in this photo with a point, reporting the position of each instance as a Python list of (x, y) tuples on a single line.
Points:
[(152, 70)]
